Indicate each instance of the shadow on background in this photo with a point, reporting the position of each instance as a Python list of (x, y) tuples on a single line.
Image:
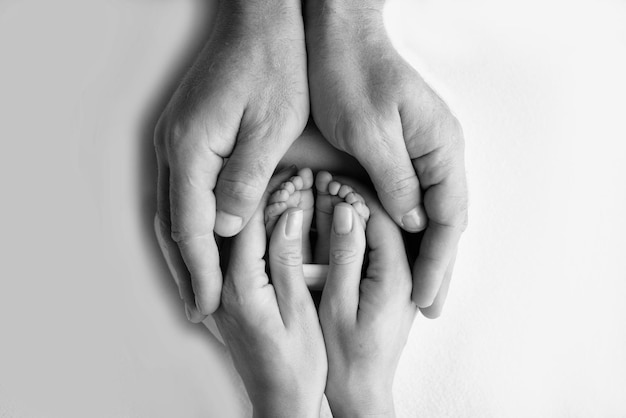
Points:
[(147, 172)]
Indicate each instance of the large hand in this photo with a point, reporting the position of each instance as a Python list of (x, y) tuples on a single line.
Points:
[(365, 321), (242, 104), (369, 102), (272, 330)]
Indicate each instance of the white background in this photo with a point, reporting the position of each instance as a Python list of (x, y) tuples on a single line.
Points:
[(91, 325)]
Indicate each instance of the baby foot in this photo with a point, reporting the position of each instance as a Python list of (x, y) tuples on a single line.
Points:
[(295, 193), (330, 192)]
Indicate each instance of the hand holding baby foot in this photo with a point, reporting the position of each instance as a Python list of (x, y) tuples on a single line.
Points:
[(272, 330), (243, 103), (370, 103), (365, 321)]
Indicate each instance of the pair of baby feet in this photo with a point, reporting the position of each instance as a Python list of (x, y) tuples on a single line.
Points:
[(317, 198)]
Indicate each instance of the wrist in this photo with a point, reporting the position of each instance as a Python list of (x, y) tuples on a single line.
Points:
[(360, 402), (286, 406), (344, 13), (349, 23), (258, 17), (280, 411)]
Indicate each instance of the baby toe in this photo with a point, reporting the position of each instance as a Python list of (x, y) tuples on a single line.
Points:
[(333, 187)]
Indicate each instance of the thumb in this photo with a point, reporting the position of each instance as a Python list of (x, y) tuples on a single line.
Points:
[(347, 248), (389, 166), (285, 258), (242, 183)]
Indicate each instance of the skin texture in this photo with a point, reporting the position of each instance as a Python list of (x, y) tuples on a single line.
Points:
[(245, 99), (272, 329), (275, 334), (367, 101), (366, 321)]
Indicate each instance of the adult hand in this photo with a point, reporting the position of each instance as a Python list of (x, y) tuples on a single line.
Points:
[(272, 330), (370, 103), (365, 321), (242, 104)]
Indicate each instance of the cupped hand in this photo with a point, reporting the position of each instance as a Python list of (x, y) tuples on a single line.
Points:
[(272, 329), (369, 102), (366, 321), (233, 117)]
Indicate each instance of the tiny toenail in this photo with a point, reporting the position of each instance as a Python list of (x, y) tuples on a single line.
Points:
[(412, 221), (342, 219), (293, 229)]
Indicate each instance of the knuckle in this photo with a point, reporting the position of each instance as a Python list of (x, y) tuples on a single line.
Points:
[(452, 211), (398, 187), (242, 189), (177, 141), (343, 256), (437, 165), (351, 132), (289, 257), (450, 131)]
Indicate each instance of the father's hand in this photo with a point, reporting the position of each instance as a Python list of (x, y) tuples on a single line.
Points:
[(369, 102), (238, 110)]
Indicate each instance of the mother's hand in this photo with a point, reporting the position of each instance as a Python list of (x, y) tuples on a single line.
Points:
[(365, 321), (272, 330)]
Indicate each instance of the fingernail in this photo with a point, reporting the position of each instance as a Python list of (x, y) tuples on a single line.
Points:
[(229, 224), (188, 312), (293, 229), (342, 219), (413, 221)]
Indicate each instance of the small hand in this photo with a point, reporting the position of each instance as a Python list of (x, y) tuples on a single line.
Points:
[(369, 102), (272, 330), (242, 104), (365, 321)]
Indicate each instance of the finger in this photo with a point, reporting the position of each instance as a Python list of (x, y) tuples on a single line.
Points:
[(445, 201), (177, 269), (285, 257), (434, 310), (388, 279), (388, 164), (446, 205), (169, 249), (247, 297), (246, 268), (435, 142), (193, 173), (243, 181), (347, 248)]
